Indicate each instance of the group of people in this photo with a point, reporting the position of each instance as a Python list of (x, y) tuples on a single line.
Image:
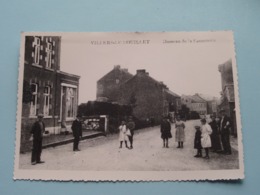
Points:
[(213, 135), (166, 132), (126, 133), (37, 131)]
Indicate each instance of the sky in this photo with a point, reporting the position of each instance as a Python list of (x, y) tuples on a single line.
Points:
[(187, 62)]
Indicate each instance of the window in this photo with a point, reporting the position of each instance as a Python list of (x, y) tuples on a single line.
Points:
[(33, 106), (49, 55), (37, 48), (71, 102), (46, 94)]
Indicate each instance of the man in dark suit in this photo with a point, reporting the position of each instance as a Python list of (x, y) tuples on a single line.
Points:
[(37, 131), (225, 125), (77, 133), (131, 126)]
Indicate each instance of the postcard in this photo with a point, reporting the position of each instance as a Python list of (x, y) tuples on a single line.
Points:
[(128, 106)]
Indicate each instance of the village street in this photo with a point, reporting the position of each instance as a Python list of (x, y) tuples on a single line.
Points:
[(103, 153)]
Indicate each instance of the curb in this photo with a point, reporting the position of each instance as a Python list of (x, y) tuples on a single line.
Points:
[(70, 140)]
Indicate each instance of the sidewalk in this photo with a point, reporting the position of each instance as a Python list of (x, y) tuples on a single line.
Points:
[(57, 140)]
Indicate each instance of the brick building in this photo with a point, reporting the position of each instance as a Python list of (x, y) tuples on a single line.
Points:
[(108, 86), (46, 89), (227, 101), (227, 95), (149, 98)]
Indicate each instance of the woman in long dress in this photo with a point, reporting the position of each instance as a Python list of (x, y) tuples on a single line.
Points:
[(122, 134), (215, 139), (205, 136), (197, 142), (180, 133), (165, 132)]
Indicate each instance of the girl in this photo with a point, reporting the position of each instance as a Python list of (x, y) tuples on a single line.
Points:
[(205, 136), (180, 134), (122, 134), (197, 142)]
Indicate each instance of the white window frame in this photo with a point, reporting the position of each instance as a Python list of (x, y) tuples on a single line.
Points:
[(76, 100), (71, 101), (34, 102), (49, 55), (37, 49), (46, 106)]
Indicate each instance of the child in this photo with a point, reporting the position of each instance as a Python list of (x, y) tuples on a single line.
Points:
[(205, 136), (197, 142), (122, 134), (180, 133)]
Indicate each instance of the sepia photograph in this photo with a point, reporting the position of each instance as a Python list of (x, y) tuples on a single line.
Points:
[(128, 106)]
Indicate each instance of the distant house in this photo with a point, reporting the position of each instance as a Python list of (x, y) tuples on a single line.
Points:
[(46, 89), (195, 103), (212, 103), (149, 98)]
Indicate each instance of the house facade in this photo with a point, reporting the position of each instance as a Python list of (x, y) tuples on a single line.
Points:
[(212, 103), (195, 103), (227, 94), (149, 98), (108, 86), (227, 101), (46, 89)]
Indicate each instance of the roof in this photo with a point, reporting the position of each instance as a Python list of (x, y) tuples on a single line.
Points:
[(155, 81), (68, 74), (197, 99), (115, 70), (146, 74), (208, 97), (194, 98), (171, 93)]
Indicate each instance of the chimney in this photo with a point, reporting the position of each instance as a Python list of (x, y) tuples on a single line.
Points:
[(141, 72), (125, 69), (116, 66)]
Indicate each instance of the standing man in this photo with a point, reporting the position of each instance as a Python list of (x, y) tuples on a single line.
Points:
[(37, 131), (77, 132), (131, 126), (225, 125)]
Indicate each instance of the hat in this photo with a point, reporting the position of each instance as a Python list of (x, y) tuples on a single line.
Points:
[(40, 115), (197, 127)]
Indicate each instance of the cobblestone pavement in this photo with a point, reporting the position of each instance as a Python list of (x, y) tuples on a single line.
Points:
[(148, 155)]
